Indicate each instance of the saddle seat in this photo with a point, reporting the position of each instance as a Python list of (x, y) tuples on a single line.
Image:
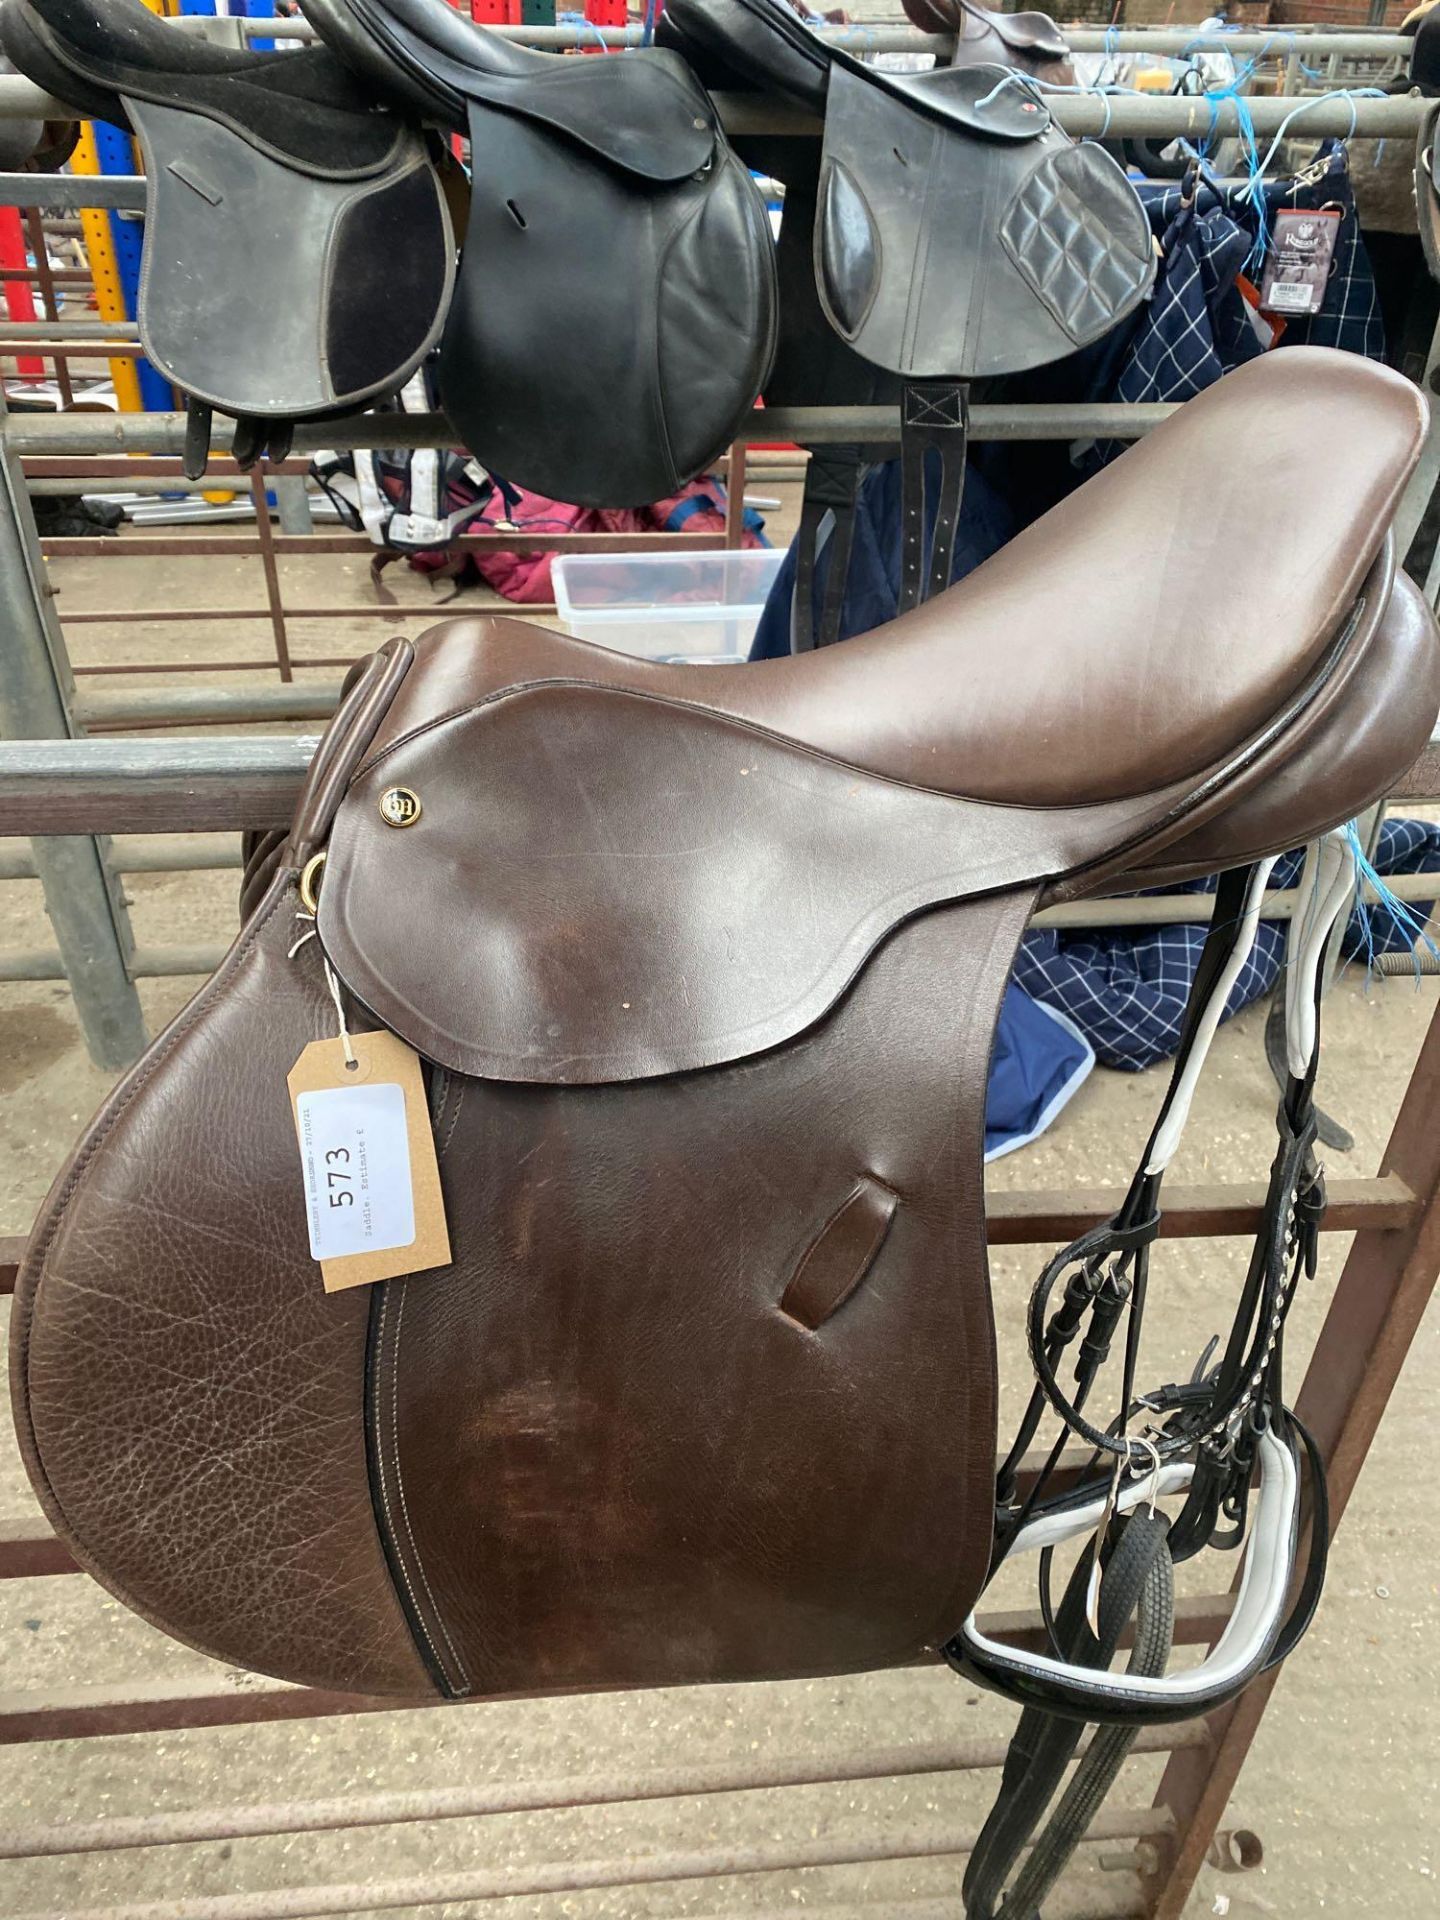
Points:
[(1126, 641), (1022, 33), (647, 116), (299, 104)]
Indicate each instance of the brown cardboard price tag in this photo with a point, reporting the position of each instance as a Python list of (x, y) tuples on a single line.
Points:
[(373, 1203)]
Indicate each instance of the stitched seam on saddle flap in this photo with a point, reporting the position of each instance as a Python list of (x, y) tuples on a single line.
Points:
[(428, 1622)]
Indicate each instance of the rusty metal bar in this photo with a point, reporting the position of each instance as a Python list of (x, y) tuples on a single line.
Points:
[(140, 616), (1383, 1290), (660, 1868), (735, 496), (234, 1698), (45, 284), (620, 1787), (1036, 1217), (144, 546)]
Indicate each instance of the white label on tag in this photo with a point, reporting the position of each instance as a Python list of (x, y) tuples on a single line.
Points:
[(1292, 297), (359, 1197)]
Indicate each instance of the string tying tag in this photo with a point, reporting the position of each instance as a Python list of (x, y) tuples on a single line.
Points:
[(331, 982)]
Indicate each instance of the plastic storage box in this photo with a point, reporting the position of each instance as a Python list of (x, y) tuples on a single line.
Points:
[(697, 607)]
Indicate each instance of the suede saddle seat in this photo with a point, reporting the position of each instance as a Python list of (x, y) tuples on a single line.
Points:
[(299, 255), (615, 316), (703, 965)]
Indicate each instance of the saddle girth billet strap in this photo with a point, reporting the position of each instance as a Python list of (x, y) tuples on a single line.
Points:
[(832, 486), (933, 414)]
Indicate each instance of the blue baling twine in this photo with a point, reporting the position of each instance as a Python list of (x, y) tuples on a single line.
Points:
[(579, 22), (1398, 909), (1256, 165)]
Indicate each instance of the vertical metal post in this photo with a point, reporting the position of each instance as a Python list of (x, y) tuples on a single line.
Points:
[(274, 599), (292, 503), (82, 888), (1382, 1293), (735, 496), (45, 279), (1417, 495)]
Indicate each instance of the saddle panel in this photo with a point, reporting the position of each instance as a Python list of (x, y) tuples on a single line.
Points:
[(257, 301), (661, 297), (190, 1404), (626, 1463)]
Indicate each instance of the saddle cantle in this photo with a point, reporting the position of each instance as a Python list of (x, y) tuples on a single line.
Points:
[(298, 256), (615, 315), (703, 967), (1029, 41)]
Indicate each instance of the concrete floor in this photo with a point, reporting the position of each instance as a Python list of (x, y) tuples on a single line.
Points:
[(1346, 1772)]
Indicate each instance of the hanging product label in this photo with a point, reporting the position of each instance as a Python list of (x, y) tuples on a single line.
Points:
[(1297, 266), (367, 1156)]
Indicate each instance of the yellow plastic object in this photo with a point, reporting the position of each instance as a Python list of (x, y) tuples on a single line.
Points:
[(104, 273)]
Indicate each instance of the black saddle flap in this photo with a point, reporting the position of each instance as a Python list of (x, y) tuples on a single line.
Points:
[(940, 254), (651, 120)]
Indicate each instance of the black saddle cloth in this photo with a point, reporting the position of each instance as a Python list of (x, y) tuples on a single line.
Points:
[(616, 311)]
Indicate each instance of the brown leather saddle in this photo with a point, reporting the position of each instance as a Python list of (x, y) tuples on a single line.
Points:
[(1030, 41), (702, 966)]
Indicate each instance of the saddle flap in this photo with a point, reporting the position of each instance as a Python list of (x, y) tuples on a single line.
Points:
[(649, 119), (943, 255), (581, 926), (983, 102)]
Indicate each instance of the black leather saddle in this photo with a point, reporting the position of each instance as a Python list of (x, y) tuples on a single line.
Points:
[(616, 311), (953, 231), (299, 255)]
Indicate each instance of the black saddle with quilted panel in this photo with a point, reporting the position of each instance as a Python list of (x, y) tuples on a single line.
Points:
[(616, 315), (953, 233), (299, 255)]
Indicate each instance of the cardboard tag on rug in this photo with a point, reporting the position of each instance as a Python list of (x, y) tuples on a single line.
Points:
[(373, 1203)]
